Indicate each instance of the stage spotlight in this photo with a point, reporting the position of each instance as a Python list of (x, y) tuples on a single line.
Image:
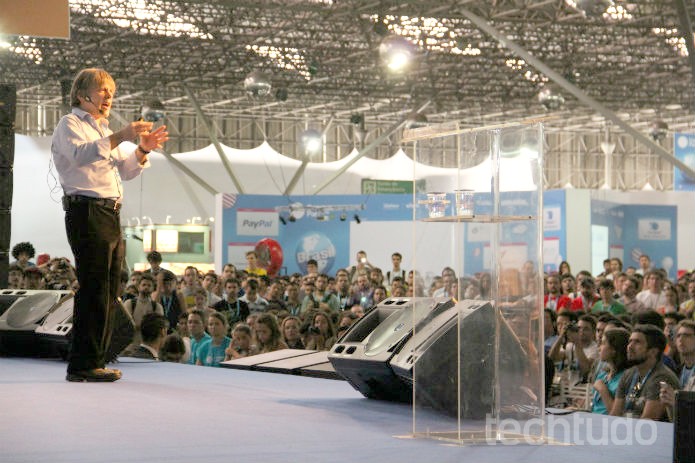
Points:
[(549, 99), (282, 220), (312, 142), (357, 219), (594, 8), (357, 119), (343, 217), (152, 111), (416, 120), (257, 84), (281, 94), (658, 129), (292, 218), (396, 52)]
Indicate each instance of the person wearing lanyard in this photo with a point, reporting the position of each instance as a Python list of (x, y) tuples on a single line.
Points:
[(637, 394), (90, 164), (235, 309)]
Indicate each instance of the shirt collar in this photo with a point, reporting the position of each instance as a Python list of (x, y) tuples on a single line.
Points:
[(84, 115)]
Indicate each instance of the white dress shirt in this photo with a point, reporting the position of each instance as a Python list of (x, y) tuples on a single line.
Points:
[(85, 162)]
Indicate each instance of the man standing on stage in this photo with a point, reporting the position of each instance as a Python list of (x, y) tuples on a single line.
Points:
[(90, 165)]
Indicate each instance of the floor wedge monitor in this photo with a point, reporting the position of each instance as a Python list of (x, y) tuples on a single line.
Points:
[(362, 356), (449, 360), (19, 321)]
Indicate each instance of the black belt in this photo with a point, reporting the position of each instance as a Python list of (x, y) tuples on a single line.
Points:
[(102, 202)]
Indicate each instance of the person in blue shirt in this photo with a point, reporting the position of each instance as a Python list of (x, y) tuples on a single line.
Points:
[(613, 355), (199, 338), (213, 352)]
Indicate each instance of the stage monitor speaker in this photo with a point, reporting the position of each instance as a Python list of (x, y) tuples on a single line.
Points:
[(10, 296), (362, 356), (40, 324), (431, 355), (684, 427), (19, 322)]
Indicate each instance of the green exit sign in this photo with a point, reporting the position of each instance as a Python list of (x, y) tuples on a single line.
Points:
[(390, 187)]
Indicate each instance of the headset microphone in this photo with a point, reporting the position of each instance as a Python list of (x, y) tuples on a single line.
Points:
[(88, 98)]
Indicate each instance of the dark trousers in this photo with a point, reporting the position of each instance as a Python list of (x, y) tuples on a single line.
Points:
[(94, 234)]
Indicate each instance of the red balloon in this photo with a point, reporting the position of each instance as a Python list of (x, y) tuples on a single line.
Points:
[(269, 255)]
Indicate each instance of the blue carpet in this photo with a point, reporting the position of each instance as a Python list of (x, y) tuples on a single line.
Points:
[(163, 412)]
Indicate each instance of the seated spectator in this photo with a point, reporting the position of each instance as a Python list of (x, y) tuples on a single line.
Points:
[(587, 296), (685, 344), (379, 294), (629, 297), (292, 303), (613, 355), (321, 334), (182, 331), (252, 268), (638, 391), (607, 303), (549, 329), (213, 353), (153, 331), (173, 349), (23, 252), (670, 303), (576, 346), (241, 345), (171, 300), (687, 307), (15, 277), (199, 338), (232, 307), (601, 323), (33, 278), (357, 310), (268, 336), (345, 321), (253, 299), (154, 258), (671, 320), (652, 296), (290, 327), (143, 304)]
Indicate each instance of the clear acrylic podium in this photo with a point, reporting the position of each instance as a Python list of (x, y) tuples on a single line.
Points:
[(477, 367)]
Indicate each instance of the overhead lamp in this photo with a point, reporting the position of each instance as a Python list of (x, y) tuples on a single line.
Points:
[(415, 120), (152, 111), (257, 84), (312, 142), (658, 129), (396, 52), (592, 7), (550, 99), (281, 94)]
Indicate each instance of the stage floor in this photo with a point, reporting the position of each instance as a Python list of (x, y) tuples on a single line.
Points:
[(163, 412)]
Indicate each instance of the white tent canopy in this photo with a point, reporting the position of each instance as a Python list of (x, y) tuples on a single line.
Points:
[(166, 194)]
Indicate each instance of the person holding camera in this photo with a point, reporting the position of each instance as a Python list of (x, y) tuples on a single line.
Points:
[(576, 345), (321, 332)]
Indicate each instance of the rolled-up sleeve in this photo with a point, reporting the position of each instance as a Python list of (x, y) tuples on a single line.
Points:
[(129, 167)]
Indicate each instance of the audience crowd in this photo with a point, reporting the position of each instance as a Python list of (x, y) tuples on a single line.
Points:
[(627, 334)]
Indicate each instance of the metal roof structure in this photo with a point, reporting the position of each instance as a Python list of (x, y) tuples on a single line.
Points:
[(321, 58), (325, 55)]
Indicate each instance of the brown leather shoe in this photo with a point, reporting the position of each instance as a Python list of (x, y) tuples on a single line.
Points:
[(96, 375), (115, 371)]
